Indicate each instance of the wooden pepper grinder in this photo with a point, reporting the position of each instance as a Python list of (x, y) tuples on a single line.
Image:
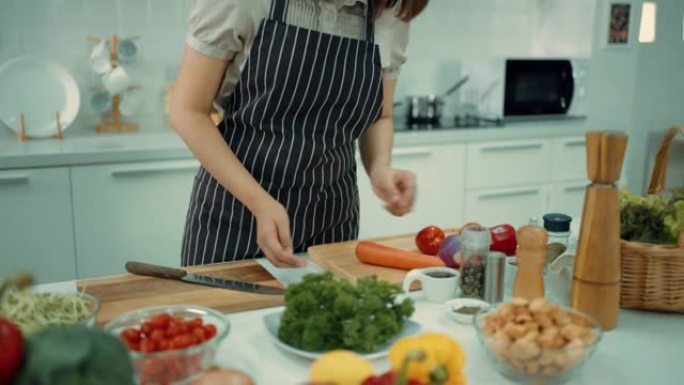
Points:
[(531, 256), (596, 281)]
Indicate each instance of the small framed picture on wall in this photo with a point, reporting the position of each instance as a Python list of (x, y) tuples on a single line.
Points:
[(619, 33)]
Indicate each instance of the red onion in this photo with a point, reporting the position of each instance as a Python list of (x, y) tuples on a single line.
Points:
[(451, 246)]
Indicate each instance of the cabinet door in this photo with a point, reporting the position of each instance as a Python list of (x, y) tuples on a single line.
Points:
[(507, 163), (569, 159), (439, 174), (37, 230), (514, 206), (568, 198), (130, 212)]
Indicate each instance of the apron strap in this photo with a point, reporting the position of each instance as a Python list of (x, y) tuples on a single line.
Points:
[(279, 10), (370, 21)]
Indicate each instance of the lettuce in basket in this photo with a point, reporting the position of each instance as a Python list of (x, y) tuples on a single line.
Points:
[(650, 219)]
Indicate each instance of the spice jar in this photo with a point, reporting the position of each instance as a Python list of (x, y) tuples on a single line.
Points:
[(476, 242), (558, 229)]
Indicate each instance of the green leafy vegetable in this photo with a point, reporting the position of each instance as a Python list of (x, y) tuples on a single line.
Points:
[(75, 355), (650, 219), (323, 313)]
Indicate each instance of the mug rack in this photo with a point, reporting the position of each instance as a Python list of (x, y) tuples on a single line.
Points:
[(112, 121), (22, 137)]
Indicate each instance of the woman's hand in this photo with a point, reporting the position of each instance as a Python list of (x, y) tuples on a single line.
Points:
[(397, 188), (273, 234)]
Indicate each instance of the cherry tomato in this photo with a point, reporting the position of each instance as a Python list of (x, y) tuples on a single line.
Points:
[(133, 346), (147, 346), (195, 323), (146, 328), (131, 335), (173, 330), (429, 239), (201, 334), (157, 335), (209, 331), (161, 321), (182, 341)]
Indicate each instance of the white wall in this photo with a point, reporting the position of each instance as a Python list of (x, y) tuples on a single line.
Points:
[(659, 93)]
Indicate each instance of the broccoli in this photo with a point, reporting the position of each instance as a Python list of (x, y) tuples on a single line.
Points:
[(323, 313)]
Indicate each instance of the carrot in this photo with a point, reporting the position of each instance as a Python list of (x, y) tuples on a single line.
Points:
[(376, 254)]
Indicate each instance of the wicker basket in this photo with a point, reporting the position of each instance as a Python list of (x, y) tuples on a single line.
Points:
[(653, 275)]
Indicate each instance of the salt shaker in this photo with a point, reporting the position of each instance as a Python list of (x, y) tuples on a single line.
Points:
[(531, 256), (476, 242)]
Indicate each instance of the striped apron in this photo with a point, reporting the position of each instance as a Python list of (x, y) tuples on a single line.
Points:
[(302, 100)]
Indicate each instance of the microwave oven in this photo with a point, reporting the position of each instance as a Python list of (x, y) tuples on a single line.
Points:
[(544, 87)]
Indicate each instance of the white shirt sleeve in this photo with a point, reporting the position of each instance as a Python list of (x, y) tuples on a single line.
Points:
[(392, 36), (220, 28)]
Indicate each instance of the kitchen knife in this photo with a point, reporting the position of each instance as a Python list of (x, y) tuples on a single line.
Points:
[(139, 268)]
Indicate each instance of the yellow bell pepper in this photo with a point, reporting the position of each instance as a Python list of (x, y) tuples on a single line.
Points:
[(443, 363)]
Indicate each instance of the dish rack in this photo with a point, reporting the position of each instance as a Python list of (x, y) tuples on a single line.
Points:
[(22, 137)]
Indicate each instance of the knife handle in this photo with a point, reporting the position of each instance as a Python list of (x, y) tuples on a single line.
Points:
[(139, 268)]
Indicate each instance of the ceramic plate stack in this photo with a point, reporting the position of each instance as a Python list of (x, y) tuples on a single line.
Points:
[(39, 89)]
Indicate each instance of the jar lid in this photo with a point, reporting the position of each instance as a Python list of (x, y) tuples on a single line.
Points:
[(476, 236), (557, 223)]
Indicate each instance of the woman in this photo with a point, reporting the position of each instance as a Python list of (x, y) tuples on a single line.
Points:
[(298, 82)]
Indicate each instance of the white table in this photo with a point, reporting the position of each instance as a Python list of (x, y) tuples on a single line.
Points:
[(647, 348)]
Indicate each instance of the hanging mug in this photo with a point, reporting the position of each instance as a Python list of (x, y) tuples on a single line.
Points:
[(117, 81), (131, 102), (99, 58), (101, 101), (128, 49)]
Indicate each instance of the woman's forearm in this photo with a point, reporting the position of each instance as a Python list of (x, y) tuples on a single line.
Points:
[(375, 145), (376, 142), (208, 145)]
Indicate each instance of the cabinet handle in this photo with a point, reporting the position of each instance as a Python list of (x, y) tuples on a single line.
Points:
[(509, 193), (575, 143), (406, 152), (14, 179), (512, 147), (578, 187), (148, 170)]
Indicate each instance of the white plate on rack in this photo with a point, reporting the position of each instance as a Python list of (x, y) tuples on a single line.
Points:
[(39, 89), (272, 323)]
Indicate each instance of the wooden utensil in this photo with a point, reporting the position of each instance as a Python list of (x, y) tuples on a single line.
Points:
[(596, 281), (531, 256)]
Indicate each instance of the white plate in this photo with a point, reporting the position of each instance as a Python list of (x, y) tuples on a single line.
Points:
[(38, 89), (461, 302), (272, 323)]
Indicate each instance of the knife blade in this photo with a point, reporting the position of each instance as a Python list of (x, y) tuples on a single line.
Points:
[(149, 270)]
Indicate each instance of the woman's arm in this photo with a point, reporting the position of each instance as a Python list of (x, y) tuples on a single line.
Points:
[(198, 82), (395, 187)]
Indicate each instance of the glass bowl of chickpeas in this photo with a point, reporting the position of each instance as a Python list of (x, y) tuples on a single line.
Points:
[(171, 344), (537, 342)]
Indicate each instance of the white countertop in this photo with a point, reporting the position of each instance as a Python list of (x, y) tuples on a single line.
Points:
[(91, 148), (646, 348)]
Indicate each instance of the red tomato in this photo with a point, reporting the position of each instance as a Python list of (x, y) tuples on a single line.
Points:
[(182, 341), (163, 345), (429, 239), (133, 346), (209, 331), (157, 335), (147, 346), (195, 323), (173, 330), (161, 321), (146, 328), (131, 335), (201, 334), (504, 239)]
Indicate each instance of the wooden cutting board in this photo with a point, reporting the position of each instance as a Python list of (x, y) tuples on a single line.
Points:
[(340, 258), (121, 294)]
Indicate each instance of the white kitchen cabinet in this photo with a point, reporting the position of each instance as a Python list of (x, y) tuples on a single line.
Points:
[(513, 205), (507, 163), (568, 198), (130, 211), (37, 234), (569, 159), (439, 201)]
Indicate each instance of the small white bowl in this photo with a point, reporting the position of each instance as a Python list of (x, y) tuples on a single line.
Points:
[(455, 304)]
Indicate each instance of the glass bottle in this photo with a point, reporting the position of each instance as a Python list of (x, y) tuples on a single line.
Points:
[(476, 242), (558, 228)]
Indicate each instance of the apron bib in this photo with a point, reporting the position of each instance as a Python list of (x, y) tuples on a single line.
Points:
[(302, 100)]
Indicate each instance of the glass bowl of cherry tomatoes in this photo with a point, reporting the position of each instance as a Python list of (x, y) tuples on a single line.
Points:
[(170, 344)]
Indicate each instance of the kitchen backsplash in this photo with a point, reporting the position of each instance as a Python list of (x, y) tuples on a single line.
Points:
[(449, 32)]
